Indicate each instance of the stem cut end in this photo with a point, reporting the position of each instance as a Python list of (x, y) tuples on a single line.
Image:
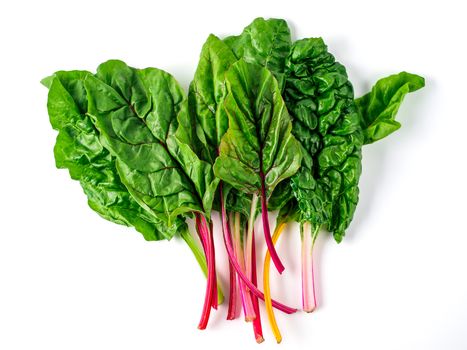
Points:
[(250, 318), (259, 339)]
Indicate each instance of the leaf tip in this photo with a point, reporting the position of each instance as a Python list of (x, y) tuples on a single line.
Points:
[(47, 81)]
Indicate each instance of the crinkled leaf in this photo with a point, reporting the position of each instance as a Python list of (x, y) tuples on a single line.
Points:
[(326, 123), (138, 113), (259, 142), (79, 150), (379, 107), (264, 42)]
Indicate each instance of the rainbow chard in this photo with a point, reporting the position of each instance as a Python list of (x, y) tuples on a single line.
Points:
[(320, 98), (332, 127), (206, 95), (143, 121), (258, 150), (268, 124)]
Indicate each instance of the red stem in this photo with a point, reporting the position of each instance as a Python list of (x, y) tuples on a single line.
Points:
[(215, 300), (267, 231), (211, 279), (230, 253), (257, 328), (233, 294), (202, 238), (232, 311), (200, 235)]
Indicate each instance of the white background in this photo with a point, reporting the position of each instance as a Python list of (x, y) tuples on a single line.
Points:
[(71, 280)]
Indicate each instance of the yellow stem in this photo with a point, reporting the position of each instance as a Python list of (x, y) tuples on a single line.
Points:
[(267, 289)]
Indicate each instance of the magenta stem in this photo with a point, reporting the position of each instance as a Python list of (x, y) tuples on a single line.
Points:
[(206, 233), (230, 253), (233, 293), (257, 328), (232, 311), (215, 300), (267, 231)]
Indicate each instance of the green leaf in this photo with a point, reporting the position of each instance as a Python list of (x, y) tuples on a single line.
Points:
[(207, 91), (259, 144), (281, 195), (288, 212), (47, 81), (144, 122), (326, 123), (264, 42), (79, 150), (379, 107)]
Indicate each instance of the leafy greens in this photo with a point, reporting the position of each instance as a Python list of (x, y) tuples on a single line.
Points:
[(267, 124)]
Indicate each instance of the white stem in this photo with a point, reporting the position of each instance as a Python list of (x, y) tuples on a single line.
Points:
[(308, 290), (249, 236)]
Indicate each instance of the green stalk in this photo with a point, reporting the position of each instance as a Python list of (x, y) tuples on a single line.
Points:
[(200, 258)]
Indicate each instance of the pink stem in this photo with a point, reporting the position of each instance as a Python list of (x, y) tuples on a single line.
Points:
[(230, 253), (308, 291), (313, 277), (247, 304), (232, 311)]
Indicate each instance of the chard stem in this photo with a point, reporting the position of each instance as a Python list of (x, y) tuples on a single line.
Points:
[(267, 231), (257, 327), (231, 255), (206, 233), (215, 289), (233, 291), (200, 258), (234, 288), (267, 290), (238, 249), (308, 237), (249, 236)]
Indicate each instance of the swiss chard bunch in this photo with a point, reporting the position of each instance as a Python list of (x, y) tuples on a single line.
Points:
[(267, 124)]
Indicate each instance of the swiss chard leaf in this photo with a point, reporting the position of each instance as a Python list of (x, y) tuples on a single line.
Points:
[(326, 122), (264, 42), (288, 212), (207, 91), (258, 147), (79, 150), (281, 195), (379, 107), (258, 150), (138, 113)]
